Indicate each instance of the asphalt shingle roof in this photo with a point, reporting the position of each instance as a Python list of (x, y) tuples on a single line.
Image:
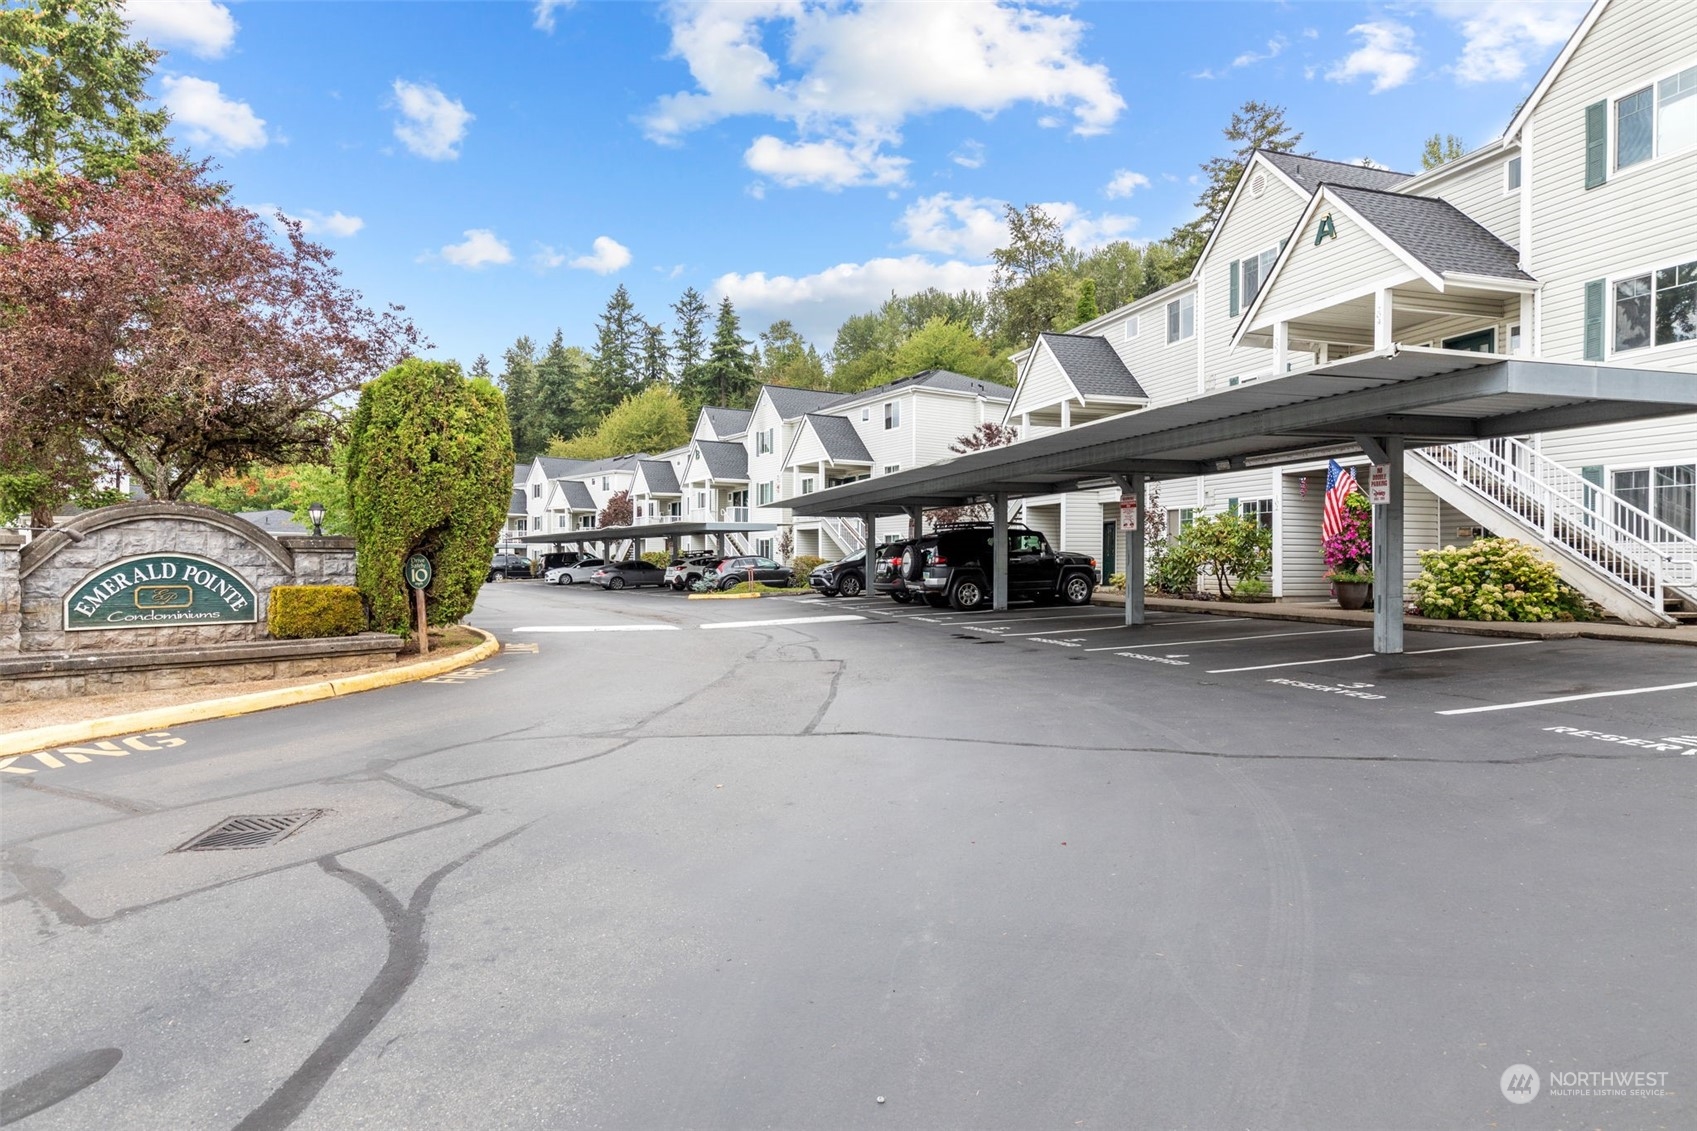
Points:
[(724, 460), (577, 495), (521, 473), (1093, 367), (517, 505), (660, 476), (794, 403), (840, 440), (554, 467), (1311, 172), (1437, 233), (727, 421), (938, 379)]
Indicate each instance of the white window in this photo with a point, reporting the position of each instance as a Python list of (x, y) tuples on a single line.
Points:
[(1667, 494), (1131, 328), (606, 484), (763, 442), (536, 491), (763, 548), (1656, 308), (1511, 175), (764, 494), (1656, 120), (866, 413), (892, 468), (520, 527), (1258, 511), (807, 485), (701, 500), (1255, 271), (1181, 319), (1514, 338), (892, 415)]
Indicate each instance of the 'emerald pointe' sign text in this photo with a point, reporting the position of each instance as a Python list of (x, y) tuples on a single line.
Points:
[(160, 591)]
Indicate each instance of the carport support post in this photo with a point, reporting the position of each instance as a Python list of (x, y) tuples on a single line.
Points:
[(1387, 556), (915, 521), (1134, 543), (869, 520), (999, 552)]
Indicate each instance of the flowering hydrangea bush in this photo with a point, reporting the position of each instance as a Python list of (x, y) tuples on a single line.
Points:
[(1349, 552), (1493, 579)]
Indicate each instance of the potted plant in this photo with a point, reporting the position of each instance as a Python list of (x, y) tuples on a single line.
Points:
[(1349, 554)]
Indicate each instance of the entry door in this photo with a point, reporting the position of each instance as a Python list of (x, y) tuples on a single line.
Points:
[(1110, 544), (1484, 341)]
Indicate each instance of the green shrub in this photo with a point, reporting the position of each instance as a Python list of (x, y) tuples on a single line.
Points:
[(430, 466), (299, 612), (658, 557), (1229, 545), (1173, 569), (1116, 583), (1493, 579), (804, 564), (1251, 587)]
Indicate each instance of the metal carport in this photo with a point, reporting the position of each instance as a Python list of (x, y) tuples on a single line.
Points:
[(670, 531), (1382, 403)]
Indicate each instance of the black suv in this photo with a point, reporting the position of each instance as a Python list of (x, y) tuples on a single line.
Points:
[(887, 572), (846, 578), (958, 572), (508, 565)]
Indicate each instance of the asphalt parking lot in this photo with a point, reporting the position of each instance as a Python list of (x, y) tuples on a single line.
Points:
[(810, 863)]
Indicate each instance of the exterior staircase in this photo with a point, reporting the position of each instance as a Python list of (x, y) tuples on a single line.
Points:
[(848, 533), (1637, 569)]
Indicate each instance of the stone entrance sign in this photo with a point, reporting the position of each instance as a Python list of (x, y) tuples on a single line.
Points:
[(158, 591)]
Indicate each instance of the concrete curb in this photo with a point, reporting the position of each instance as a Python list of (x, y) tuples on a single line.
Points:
[(724, 596), (159, 718), (1541, 630)]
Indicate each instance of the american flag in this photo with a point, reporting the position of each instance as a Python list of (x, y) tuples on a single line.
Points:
[(1340, 485)]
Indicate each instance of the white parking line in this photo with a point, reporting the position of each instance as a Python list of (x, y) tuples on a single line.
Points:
[(782, 621), (597, 628), (1569, 699), (1228, 639), (1057, 631), (1028, 620), (1368, 656)]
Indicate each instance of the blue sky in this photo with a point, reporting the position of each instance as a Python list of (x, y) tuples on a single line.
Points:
[(498, 168)]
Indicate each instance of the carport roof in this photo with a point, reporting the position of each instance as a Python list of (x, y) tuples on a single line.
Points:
[(649, 530), (1426, 396)]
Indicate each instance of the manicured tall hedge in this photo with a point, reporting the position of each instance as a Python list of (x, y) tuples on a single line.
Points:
[(430, 469), (302, 612)]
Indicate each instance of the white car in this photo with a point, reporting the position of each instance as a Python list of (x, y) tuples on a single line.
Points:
[(580, 570)]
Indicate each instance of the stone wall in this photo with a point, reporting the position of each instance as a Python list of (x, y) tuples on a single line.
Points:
[(52, 565)]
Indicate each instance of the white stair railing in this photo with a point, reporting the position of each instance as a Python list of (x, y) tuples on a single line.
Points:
[(846, 532), (1637, 551)]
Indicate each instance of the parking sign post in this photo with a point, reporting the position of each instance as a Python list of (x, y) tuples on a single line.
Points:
[(1133, 526), (418, 574)]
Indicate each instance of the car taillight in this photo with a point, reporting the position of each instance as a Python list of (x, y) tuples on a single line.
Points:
[(897, 562), (939, 559)]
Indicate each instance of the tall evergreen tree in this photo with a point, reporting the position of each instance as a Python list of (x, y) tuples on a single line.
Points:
[(689, 347), (656, 366), (729, 368), (1254, 125), (788, 359), (553, 410), (1441, 149), (480, 368), (518, 382), (614, 364)]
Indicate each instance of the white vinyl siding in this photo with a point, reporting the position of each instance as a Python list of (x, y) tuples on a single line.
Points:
[(1481, 192), (1045, 384), (1353, 264), (1253, 226)]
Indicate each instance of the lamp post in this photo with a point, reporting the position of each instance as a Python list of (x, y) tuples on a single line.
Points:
[(316, 512)]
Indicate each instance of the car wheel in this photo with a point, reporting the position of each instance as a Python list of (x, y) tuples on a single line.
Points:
[(615, 583), (1076, 590), (900, 597), (968, 595), (565, 579), (849, 586)]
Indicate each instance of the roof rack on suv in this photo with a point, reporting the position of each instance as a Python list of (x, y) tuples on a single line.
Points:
[(976, 526)]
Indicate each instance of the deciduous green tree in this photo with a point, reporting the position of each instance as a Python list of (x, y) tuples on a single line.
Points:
[(1031, 290), (430, 466), (788, 359), (944, 345)]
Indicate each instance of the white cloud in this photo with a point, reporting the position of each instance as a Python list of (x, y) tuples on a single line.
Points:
[(831, 165), (204, 28), (546, 258), (609, 256), (1502, 36), (432, 125), (200, 109), (1124, 183), (974, 226), (970, 155), (1387, 55), (850, 76), (819, 303), (315, 223), (671, 272), (480, 248), (545, 13), (1275, 47)]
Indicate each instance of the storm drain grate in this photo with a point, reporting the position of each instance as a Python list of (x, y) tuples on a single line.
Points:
[(256, 831)]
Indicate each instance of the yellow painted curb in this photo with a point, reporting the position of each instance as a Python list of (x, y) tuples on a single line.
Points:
[(724, 596), (159, 718)]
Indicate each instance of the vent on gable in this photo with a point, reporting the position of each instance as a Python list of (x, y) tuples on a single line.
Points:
[(1257, 184)]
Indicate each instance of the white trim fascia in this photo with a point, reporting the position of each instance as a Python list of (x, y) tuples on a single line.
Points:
[(1396, 249), (1496, 148), (1549, 79), (1094, 327), (1495, 282), (1384, 282), (1032, 361), (1254, 158)]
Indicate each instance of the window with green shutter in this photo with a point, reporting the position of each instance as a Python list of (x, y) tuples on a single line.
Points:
[(1596, 144), (1594, 320)]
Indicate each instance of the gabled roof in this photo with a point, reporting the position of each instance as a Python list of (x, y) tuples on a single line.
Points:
[(726, 421), (518, 503), (661, 477), (577, 495), (521, 474), (724, 460), (1310, 172), (838, 437), (1437, 233), (945, 379), (790, 404), (554, 467), (1093, 367)]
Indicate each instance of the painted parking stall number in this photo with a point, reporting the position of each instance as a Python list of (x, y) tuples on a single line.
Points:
[(464, 676)]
